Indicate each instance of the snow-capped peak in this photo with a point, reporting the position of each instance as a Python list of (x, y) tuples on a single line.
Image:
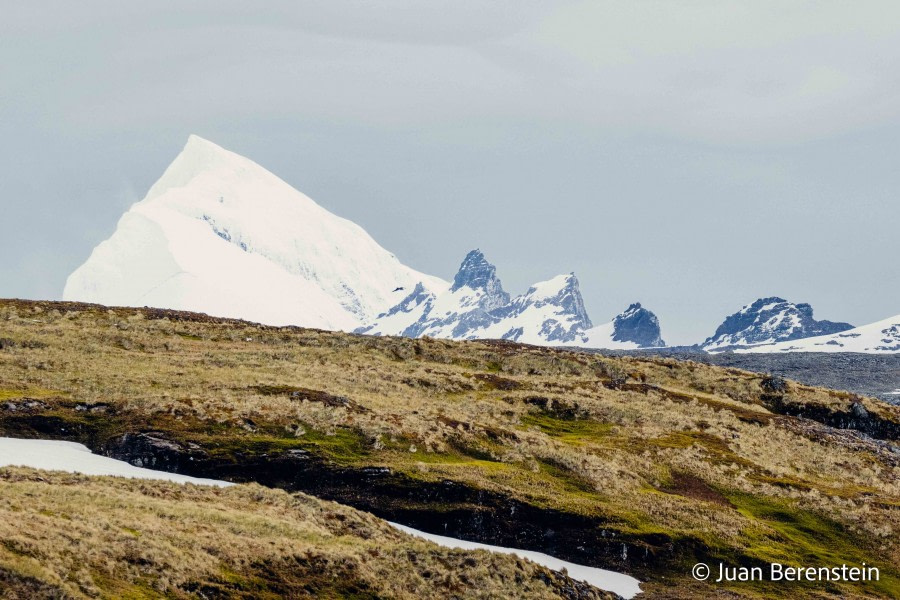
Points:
[(220, 234), (563, 294), (634, 328), (767, 321), (632, 310), (477, 274), (550, 311), (200, 156)]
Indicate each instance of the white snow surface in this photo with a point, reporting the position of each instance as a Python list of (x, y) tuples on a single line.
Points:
[(222, 235), (881, 337), (55, 455), (612, 581), (535, 313), (601, 336)]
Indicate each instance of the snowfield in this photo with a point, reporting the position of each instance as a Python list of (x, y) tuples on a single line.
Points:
[(220, 234), (54, 455), (881, 337)]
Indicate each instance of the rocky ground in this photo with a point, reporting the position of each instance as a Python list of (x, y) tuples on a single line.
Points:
[(876, 375)]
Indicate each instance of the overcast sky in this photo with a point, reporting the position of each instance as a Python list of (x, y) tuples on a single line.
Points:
[(690, 155)]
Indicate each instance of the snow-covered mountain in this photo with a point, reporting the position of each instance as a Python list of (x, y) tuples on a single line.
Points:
[(477, 307), (635, 328), (881, 337), (767, 321), (220, 234)]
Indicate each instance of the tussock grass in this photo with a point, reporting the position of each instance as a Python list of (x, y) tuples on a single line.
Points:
[(576, 432), (73, 536)]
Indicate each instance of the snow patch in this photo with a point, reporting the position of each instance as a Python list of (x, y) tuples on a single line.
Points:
[(55, 455), (611, 581)]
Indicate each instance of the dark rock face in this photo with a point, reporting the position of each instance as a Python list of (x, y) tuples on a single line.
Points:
[(444, 507), (638, 325), (770, 320), (477, 273)]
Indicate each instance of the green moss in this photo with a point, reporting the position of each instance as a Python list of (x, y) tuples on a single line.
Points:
[(576, 432), (345, 446), (342, 446), (782, 532), (568, 480), (31, 392)]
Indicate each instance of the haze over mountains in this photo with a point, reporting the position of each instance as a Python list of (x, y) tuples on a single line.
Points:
[(222, 235)]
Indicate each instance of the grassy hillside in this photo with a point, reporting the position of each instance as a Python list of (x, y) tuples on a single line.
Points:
[(644, 465), (70, 536)]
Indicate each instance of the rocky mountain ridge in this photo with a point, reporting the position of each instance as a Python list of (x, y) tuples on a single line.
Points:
[(769, 320), (476, 306)]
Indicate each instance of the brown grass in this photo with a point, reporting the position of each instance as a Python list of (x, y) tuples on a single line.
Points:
[(72, 536), (652, 444)]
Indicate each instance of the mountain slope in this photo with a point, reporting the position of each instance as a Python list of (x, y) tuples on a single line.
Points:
[(220, 234), (550, 312), (106, 537), (881, 337), (769, 320)]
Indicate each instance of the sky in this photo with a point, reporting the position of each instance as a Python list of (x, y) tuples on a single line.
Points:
[(691, 155)]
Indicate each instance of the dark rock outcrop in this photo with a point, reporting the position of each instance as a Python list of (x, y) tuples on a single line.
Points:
[(477, 273), (638, 325)]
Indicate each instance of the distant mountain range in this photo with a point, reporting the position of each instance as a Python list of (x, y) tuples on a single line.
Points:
[(550, 313), (222, 235)]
